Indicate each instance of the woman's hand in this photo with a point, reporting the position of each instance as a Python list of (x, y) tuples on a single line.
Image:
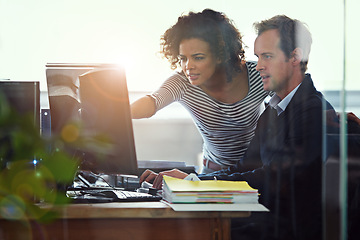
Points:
[(148, 176), (351, 116), (151, 176)]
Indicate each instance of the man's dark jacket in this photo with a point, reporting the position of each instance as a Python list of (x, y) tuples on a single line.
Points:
[(284, 162)]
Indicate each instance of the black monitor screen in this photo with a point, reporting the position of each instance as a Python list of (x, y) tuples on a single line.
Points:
[(23, 97), (96, 96), (22, 101)]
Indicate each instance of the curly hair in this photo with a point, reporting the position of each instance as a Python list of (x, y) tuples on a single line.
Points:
[(293, 34), (213, 27)]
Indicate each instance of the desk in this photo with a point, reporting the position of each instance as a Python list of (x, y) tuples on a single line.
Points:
[(138, 220)]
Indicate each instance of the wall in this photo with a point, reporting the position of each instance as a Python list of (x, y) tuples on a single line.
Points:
[(37, 32), (167, 139)]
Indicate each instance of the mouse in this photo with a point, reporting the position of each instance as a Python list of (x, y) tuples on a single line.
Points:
[(146, 184)]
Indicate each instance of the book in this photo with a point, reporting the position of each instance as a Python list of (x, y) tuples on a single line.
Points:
[(208, 191)]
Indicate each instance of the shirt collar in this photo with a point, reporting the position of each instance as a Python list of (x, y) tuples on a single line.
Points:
[(280, 105)]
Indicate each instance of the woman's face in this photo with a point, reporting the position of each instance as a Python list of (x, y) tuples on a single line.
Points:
[(197, 61)]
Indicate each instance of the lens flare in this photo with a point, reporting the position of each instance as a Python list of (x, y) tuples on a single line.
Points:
[(12, 207), (70, 133)]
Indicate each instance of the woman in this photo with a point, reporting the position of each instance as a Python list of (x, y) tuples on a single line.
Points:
[(221, 91)]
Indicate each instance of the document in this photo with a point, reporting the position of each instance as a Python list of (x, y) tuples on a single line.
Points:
[(208, 191)]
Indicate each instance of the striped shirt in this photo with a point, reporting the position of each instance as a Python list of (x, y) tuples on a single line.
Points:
[(226, 129)]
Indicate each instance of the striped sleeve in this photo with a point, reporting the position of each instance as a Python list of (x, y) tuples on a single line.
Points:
[(170, 91)]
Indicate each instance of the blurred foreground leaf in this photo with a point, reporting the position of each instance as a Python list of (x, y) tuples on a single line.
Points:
[(29, 172)]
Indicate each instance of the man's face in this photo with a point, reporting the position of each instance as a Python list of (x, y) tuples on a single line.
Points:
[(274, 67)]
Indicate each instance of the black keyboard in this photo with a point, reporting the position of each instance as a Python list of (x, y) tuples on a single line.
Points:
[(98, 196), (136, 196)]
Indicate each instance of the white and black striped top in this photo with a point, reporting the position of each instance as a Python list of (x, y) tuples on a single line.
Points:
[(226, 129)]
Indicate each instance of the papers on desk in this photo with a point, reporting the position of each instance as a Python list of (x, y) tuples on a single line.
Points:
[(214, 207), (208, 191)]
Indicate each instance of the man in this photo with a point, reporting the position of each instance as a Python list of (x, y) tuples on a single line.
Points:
[(284, 159)]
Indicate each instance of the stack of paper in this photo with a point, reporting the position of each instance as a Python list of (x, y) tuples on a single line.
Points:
[(208, 191)]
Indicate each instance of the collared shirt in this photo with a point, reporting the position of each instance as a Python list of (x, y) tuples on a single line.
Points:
[(280, 105)]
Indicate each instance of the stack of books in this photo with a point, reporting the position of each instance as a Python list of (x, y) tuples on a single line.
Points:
[(208, 191)]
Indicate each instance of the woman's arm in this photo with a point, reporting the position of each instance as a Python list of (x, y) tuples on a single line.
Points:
[(157, 178), (143, 108), (170, 91)]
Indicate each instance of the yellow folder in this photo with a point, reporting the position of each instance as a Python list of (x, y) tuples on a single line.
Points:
[(181, 185)]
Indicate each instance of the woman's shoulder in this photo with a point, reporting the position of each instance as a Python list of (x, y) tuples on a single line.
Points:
[(251, 63), (177, 84), (253, 75), (251, 66), (176, 79), (255, 81), (179, 76)]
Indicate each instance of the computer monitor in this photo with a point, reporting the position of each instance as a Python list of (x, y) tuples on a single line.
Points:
[(96, 96), (22, 97)]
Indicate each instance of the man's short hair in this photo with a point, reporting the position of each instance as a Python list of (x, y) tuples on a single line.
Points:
[(293, 34)]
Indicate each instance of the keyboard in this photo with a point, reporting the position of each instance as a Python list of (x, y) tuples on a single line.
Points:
[(101, 196)]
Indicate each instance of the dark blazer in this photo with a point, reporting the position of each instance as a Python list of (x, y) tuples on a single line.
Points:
[(284, 162)]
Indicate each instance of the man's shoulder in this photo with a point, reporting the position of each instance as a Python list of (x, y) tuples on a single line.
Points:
[(307, 94)]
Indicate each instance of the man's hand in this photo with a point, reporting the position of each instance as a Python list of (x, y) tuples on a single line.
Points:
[(157, 178)]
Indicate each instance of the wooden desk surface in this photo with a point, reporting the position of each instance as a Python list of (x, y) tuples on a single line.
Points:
[(137, 210), (136, 220)]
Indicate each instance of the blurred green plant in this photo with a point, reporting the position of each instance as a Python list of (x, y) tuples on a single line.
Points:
[(29, 172)]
